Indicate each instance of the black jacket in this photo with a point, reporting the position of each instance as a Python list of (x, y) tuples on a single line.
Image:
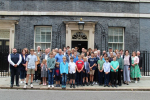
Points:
[(140, 61)]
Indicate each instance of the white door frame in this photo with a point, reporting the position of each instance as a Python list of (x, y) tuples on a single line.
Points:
[(9, 24), (72, 26)]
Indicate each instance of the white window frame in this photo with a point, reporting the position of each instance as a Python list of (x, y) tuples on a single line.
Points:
[(42, 42), (113, 38)]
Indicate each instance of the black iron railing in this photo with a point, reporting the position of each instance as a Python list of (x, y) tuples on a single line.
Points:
[(4, 65)]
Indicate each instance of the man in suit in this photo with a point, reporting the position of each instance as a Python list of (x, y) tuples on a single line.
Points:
[(44, 55), (140, 62), (14, 59)]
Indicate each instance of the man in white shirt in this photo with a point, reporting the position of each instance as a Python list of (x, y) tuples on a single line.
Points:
[(14, 59)]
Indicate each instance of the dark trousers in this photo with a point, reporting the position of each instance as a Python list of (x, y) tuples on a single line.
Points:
[(106, 79), (39, 73), (100, 77), (79, 77), (36, 75), (120, 74), (14, 71), (96, 75), (114, 76)]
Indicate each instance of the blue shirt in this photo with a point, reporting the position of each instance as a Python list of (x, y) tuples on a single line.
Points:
[(106, 67), (103, 59), (59, 58), (92, 61), (63, 68), (75, 59), (31, 59)]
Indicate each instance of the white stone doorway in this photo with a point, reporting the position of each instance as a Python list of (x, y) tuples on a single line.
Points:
[(72, 29)]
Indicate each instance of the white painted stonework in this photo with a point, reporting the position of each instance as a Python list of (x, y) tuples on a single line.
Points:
[(89, 30), (10, 25), (60, 13)]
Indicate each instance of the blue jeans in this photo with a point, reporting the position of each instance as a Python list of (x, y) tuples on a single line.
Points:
[(100, 77), (64, 79), (50, 77), (22, 74), (106, 79), (79, 77)]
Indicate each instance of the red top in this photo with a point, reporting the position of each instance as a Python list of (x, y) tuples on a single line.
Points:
[(79, 64)]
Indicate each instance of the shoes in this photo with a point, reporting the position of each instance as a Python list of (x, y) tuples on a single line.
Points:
[(11, 86), (52, 86), (58, 85), (36, 81), (31, 85), (135, 81), (21, 82), (45, 84), (49, 86), (87, 84), (71, 86), (25, 86), (83, 84), (108, 85), (127, 83), (17, 85), (62, 86), (105, 85), (93, 83), (96, 83), (112, 85)]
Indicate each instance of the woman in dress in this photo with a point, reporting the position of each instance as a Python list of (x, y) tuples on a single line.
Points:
[(135, 70), (44, 71)]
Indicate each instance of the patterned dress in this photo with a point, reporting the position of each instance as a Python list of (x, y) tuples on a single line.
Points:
[(135, 70), (43, 71)]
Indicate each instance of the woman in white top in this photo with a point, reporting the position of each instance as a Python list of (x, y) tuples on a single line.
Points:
[(127, 65)]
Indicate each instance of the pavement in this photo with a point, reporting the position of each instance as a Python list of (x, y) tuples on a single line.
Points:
[(142, 85), (13, 94)]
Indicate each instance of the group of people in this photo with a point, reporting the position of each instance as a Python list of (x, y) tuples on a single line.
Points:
[(71, 67)]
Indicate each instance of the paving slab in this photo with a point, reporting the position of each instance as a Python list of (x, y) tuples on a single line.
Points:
[(142, 85)]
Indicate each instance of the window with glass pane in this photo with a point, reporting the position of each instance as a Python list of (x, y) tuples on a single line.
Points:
[(43, 36), (116, 38)]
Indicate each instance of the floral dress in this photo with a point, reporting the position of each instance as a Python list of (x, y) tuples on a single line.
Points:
[(135, 70)]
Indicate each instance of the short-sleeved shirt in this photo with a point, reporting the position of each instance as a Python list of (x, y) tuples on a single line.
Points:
[(59, 58), (79, 64), (114, 64), (92, 61), (72, 67), (31, 59), (100, 62)]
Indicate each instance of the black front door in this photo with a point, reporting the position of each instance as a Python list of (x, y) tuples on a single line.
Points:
[(80, 45), (4, 51)]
